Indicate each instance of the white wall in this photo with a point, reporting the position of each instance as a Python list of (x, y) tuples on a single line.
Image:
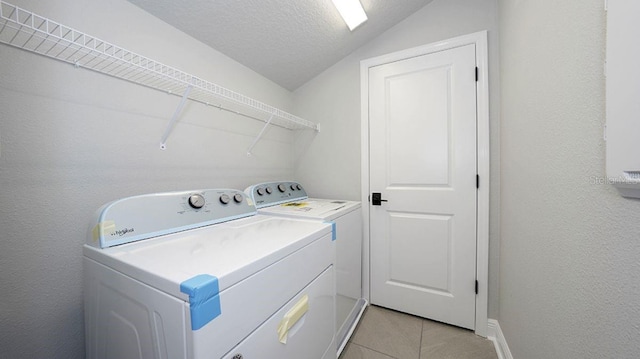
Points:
[(570, 261), (329, 163), (72, 140)]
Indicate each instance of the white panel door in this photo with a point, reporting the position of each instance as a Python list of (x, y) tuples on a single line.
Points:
[(422, 114)]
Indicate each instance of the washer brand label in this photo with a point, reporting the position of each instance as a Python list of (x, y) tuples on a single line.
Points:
[(122, 232)]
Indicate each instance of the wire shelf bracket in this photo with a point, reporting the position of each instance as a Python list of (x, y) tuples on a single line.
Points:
[(31, 32), (255, 141), (174, 118)]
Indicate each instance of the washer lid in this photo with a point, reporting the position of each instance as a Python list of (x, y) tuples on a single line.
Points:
[(229, 251), (312, 208)]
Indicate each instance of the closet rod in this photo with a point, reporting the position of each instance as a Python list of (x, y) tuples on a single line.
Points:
[(238, 113)]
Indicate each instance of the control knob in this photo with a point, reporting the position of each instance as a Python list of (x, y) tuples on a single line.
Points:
[(238, 198), (225, 199), (282, 187), (196, 201), (299, 187), (293, 187), (269, 190), (260, 191)]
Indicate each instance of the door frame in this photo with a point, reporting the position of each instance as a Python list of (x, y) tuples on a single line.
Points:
[(479, 39)]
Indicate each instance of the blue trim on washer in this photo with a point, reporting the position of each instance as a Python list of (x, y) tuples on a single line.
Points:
[(333, 229), (204, 299)]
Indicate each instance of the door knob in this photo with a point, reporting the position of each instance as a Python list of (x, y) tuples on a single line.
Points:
[(376, 199)]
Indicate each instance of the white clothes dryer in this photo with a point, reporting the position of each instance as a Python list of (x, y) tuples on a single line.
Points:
[(289, 199), (199, 274)]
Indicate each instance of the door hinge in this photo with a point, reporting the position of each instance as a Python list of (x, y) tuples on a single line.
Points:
[(477, 181), (476, 287), (476, 73)]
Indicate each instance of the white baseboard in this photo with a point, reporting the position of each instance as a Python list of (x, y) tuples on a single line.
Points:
[(494, 333)]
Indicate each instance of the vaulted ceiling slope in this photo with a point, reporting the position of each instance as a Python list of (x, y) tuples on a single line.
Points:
[(287, 41)]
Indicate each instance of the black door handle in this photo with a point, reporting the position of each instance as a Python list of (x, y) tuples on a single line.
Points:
[(376, 199)]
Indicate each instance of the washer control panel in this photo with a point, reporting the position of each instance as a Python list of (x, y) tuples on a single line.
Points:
[(274, 193), (141, 217)]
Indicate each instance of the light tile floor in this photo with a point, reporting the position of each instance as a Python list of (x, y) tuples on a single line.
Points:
[(387, 334)]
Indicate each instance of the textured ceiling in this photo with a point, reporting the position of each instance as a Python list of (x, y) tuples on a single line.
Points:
[(287, 41)]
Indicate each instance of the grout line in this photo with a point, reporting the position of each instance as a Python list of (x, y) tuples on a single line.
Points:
[(421, 333), (373, 350)]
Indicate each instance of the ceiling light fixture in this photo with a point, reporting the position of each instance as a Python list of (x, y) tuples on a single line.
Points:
[(351, 11)]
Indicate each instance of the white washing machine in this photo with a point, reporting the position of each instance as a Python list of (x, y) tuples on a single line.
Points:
[(289, 199), (199, 274)]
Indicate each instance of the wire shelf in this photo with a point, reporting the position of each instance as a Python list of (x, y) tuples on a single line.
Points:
[(28, 31)]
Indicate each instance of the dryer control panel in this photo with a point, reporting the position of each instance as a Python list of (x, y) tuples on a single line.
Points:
[(272, 193), (141, 217)]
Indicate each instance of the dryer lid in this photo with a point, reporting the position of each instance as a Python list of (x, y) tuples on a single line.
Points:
[(229, 251)]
